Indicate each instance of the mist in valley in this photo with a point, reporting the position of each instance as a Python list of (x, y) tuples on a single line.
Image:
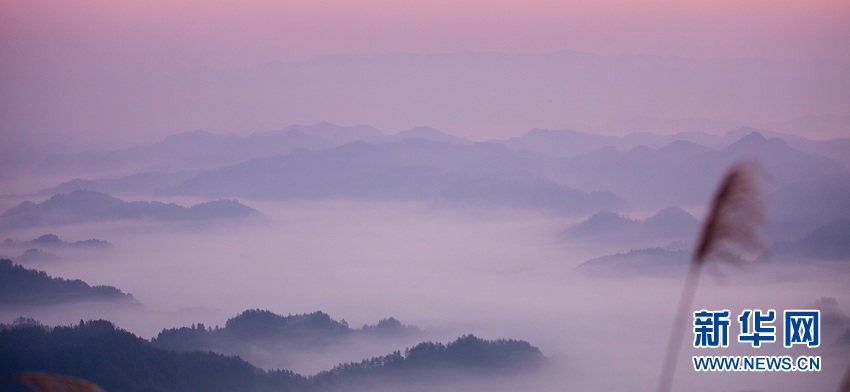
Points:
[(449, 270), (418, 196)]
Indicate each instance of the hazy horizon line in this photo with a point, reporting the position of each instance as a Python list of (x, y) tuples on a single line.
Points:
[(505, 54), (117, 144)]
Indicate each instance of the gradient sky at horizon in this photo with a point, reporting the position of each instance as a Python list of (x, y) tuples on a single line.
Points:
[(71, 43)]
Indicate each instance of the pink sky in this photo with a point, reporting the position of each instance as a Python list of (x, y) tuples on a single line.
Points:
[(239, 33), (74, 44)]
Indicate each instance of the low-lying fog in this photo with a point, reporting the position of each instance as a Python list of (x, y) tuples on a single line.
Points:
[(447, 270)]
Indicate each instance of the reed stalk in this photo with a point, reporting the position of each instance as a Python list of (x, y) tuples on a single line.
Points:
[(731, 226)]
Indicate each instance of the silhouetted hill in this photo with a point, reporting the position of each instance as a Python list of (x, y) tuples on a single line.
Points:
[(566, 143), (560, 143), (409, 170), (48, 239), (426, 133), (172, 159), (53, 241), (650, 261), (807, 204), (604, 222), (468, 354), (21, 286), (35, 255), (177, 152), (680, 172), (262, 327), (136, 184), (119, 361), (648, 171), (177, 157), (786, 164), (837, 149), (339, 135), (669, 223), (477, 159), (389, 326), (83, 206), (263, 324), (684, 173), (672, 221), (307, 342), (828, 242), (186, 151)]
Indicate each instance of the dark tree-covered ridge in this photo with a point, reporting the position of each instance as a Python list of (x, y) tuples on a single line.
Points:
[(257, 326), (22, 286), (117, 360)]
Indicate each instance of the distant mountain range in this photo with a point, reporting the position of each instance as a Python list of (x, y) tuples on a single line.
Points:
[(477, 92), (117, 360), (684, 173), (85, 206), (21, 286), (567, 143), (197, 150), (828, 242), (565, 172), (806, 204), (408, 170), (181, 154)]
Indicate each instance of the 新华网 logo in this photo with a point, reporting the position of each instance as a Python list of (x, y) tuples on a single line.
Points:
[(799, 327)]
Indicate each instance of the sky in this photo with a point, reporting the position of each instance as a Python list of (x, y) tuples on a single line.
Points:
[(56, 53), (113, 72)]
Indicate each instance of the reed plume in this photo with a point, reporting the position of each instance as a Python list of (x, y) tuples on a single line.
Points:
[(46, 382), (731, 226)]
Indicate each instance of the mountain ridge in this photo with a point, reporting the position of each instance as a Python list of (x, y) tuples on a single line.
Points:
[(119, 360), (22, 286), (83, 205)]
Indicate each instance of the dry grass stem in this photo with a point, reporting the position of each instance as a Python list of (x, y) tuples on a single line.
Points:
[(730, 227)]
